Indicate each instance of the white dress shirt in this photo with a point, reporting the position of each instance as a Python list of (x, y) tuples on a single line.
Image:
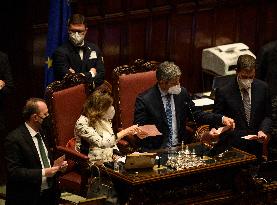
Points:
[(44, 184)]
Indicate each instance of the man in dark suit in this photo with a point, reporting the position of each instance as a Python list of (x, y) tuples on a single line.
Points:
[(267, 71), (78, 55), (247, 101), (31, 179), (168, 106), (6, 88), (267, 66)]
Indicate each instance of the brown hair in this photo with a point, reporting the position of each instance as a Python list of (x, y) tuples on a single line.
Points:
[(31, 107), (246, 62), (77, 19), (96, 105)]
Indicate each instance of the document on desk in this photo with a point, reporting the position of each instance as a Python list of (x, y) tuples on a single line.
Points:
[(151, 130), (203, 101)]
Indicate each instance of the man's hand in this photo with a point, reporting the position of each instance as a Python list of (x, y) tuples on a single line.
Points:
[(93, 70), (71, 70), (49, 172), (208, 137), (2, 84), (63, 166), (262, 136), (214, 133), (229, 122), (61, 163)]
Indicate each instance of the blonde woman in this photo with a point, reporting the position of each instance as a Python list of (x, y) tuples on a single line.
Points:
[(94, 128)]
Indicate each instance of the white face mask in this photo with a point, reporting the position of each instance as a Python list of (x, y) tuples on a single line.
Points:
[(109, 113), (76, 38), (245, 83), (175, 90)]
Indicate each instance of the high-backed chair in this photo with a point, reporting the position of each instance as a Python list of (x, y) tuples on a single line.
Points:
[(128, 82), (65, 100)]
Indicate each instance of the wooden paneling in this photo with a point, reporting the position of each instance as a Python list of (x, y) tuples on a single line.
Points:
[(177, 30), (125, 30), (111, 47), (270, 21), (181, 44), (112, 6), (157, 42), (93, 34), (247, 26), (137, 31), (225, 26), (137, 4)]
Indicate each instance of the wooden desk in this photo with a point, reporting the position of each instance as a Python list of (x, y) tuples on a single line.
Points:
[(215, 181)]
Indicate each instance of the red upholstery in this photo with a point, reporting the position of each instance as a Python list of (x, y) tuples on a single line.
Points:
[(129, 87), (67, 107), (128, 82), (65, 101)]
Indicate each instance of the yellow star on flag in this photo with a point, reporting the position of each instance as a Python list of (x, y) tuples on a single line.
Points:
[(49, 62)]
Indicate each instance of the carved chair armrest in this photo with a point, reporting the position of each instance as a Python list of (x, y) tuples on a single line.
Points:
[(74, 155), (123, 142)]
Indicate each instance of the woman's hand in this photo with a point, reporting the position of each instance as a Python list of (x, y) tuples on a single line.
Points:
[(132, 130)]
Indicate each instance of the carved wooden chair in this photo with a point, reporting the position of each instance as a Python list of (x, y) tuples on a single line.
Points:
[(128, 82), (65, 101)]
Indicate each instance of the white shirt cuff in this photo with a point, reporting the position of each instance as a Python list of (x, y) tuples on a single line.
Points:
[(43, 172), (222, 119)]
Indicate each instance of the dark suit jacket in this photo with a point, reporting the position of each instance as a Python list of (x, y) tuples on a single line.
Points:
[(149, 109), (228, 101), (24, 168), (267, 66), (67, 56), (6, 76)]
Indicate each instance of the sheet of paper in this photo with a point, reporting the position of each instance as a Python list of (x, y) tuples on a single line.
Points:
[(151, 130), (222, 129), (203, 101), (59, 161), (250, 137)]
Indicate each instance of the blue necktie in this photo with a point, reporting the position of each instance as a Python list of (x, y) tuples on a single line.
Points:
[(168, 113)]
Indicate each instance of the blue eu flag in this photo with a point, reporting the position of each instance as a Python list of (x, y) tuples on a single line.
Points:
[(59, 14)]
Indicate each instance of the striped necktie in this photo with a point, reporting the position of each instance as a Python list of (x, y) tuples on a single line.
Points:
[(246, 103), (168, 112)]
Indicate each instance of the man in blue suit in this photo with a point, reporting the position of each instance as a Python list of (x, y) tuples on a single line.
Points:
[(168, 106), (78, 55), (246, 100)]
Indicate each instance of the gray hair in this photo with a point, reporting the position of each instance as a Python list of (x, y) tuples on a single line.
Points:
[(167, 71)]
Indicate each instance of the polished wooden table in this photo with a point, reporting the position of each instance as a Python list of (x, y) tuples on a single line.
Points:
[(216, 180)]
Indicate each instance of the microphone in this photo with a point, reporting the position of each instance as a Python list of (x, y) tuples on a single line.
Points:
[(196, 134)]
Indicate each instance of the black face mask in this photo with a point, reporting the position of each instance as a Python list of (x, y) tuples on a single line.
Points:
[(46, 123)]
